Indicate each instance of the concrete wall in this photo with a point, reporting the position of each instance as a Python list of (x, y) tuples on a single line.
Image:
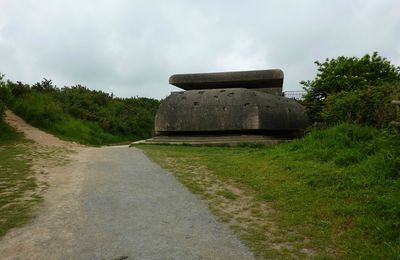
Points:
[(269, 81), (230, 109)]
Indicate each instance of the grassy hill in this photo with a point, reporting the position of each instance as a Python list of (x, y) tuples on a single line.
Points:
[(79, 114)]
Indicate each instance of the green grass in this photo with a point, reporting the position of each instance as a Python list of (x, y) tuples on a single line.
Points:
[(337, 187), (44, 112), (85, 132), (8, 134), (79, 114), (17, 183)]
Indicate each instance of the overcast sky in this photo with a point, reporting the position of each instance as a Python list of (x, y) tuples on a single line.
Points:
[(131, 47)]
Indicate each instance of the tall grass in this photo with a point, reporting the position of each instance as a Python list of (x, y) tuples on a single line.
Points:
[(338, 187), (43, 111), (78, 113), (8, 134), (350, 176)]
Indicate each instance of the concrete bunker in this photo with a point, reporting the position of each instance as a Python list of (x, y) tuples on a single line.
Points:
[(229, 103)]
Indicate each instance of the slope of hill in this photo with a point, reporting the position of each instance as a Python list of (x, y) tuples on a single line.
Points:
[(79, 114)]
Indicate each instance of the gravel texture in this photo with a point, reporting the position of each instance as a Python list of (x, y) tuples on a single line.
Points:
[(114, 203)]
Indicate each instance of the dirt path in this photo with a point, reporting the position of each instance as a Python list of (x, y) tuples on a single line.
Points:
[(47, 152), (35, 134), (114, 203)]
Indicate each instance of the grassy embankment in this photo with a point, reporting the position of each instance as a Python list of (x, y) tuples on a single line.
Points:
[(18, 185), (336, 193), (79, 114), (42, 111)]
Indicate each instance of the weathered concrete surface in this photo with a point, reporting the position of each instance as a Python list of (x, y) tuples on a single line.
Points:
[(112, 203), (263, 80), (232, 140), (233, 109)]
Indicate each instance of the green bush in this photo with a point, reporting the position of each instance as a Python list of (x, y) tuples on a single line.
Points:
[(7, 133), (5, 95), (18, 89), (43, 111), (38, 109), (83, 131), (84, 115), (347, 74), (371, 106), (348, 144)]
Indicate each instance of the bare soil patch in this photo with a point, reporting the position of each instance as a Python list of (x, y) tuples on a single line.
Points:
[(45, 152), (47, 155)]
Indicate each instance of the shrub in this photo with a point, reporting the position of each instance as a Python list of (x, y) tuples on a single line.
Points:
[(346, 74), (17, 89), (7, 133), (81, 114), (38, 109), (344, 144), (371, 106), (5, 95)]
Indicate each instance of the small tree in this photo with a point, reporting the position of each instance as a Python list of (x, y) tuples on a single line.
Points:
[(346, 74), (45, 86)]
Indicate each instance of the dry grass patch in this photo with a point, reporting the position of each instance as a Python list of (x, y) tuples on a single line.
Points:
[(24, 166), (236, 205)]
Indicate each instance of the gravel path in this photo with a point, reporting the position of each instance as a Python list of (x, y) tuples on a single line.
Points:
[(113, 203)]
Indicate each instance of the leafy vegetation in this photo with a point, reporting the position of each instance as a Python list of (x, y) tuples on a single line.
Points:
[(370, 106), (4, 97), (338, 187), (348, 77), (7, 133), (83, 115)]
